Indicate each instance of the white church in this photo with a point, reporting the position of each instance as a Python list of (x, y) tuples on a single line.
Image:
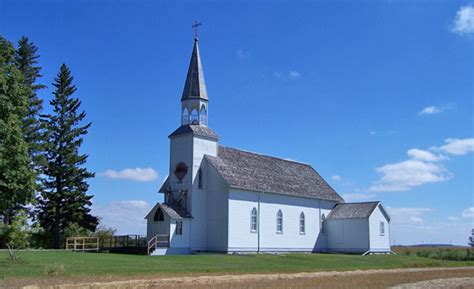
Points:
[(222, 199)]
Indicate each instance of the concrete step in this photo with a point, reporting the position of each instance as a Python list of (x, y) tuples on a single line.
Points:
[(169, 251)]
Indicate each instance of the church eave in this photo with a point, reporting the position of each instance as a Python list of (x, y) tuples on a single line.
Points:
[(196, 130)]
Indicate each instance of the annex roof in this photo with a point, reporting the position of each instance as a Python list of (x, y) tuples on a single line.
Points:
[(352, 210)]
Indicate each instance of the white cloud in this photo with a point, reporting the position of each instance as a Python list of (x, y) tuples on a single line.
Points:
[(277, 74), (421, 168), (382, 132), (127, 216), (468, 213), (415, 226), (241, 54), (358, 197), (408, 174), (464, 21), (407, 216), (294, 74), (430, 232), (430, 110), (423, 155), (457, 146), (136, 174), (336, 178)]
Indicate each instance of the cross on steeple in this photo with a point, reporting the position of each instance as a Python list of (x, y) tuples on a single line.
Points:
[(195, 26)]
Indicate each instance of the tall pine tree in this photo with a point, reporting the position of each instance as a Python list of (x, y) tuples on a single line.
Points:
[(27, 62), (16, 177), (63, 200)]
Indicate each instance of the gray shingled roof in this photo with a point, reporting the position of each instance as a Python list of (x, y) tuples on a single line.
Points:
[(256, 172), (195, 86), (194, 129), (352, 210), (175, 212)]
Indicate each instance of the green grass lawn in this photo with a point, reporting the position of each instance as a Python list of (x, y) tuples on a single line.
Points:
[(47, 263)]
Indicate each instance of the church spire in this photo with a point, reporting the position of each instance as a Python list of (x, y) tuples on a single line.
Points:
[(194, 101), (195, 87)]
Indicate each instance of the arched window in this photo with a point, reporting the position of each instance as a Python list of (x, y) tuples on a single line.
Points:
[(185, 116), (203, 115), (200, 183), (158, 215), (323, 224), (179, 228), (253, 220), (194, 117), (279, 222), (302, 224)]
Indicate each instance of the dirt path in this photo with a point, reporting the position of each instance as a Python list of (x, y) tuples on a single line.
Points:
[(333, 279), (439, 283)]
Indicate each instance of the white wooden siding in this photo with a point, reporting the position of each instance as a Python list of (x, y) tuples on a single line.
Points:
[(180, 241), (267, 238), (348, 235), (157, 227), (191, 149), (217, 210), (377, 242)]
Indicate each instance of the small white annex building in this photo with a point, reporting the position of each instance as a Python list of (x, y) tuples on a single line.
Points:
[(222, 199)]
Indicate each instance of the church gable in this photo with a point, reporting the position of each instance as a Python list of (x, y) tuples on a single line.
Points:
[(255, 172), (173, 212)]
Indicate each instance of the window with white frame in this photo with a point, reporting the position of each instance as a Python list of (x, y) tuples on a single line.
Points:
[(382, 229), (253, 221), (323, 224), (179, 228), (279, 223), (200, 179), (302, 224)]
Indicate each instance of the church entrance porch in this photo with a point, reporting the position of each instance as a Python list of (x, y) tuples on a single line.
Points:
[(168, 230)]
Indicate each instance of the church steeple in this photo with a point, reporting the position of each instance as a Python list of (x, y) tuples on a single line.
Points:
[(195, 87), (194, 101)]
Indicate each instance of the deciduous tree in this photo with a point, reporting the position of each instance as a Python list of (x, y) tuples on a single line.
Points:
[(16, 177)]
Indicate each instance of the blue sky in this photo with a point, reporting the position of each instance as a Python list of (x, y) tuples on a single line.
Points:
[(376, 95)]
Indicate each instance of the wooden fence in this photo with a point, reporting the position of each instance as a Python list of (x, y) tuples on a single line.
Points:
[(82, 244), (112, 243)]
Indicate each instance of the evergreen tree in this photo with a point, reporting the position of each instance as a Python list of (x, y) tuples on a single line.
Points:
[(16, 177), (26, 58), (63, 200)]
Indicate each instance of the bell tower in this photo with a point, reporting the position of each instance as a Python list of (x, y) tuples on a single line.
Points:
[(194, 101), (187, 182)]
